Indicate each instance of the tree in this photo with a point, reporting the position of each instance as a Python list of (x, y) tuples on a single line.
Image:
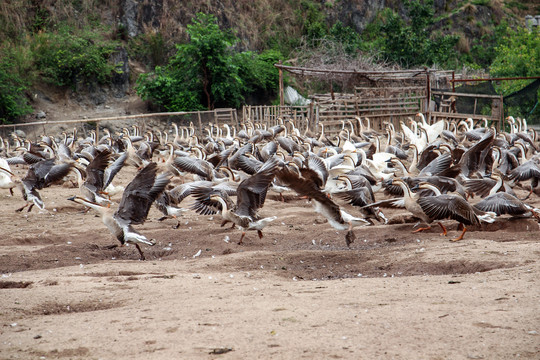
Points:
[(206, 72), (518, 54), (414, 44)]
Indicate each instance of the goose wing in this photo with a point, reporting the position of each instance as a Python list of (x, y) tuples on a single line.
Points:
[(525, 171), (251, 192), (205, 205), (361, 196), (249, 165), (195, 166), (307, 187), (448, 207), (472, 158), (317, 164), (503, 203), (140, 193), (480, 187), (113, 169), (437, 165), (96, 169)]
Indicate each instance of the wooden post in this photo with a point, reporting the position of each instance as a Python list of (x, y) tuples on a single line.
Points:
[(428, 95), (281, 94), (200, 122)]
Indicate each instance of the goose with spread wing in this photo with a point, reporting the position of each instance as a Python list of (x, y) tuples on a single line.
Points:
[(99, 174), (40, 175), (250, 197), (138, 196), (448, 206), (306, 182)]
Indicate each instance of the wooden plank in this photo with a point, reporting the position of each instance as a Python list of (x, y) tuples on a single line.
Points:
[(450, 93)]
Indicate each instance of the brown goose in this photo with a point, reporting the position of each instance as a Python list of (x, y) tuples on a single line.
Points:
[(446, 206), (307, 183), (505, 204), (138, 196), (99, 174), (250, 197), (40, 175)]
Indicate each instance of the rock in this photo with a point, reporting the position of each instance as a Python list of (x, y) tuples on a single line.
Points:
[(41, 115)]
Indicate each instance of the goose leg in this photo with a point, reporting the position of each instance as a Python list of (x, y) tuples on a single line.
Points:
[(280, 197), (421, 229), (140, 252), (30, 208), (445, 232), (242, 238), (460, 237), (11, 191), (349, 238), (21, 209), (224, 222), (259, 232)]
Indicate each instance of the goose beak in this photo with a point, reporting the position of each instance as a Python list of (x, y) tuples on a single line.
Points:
[(72, 198)]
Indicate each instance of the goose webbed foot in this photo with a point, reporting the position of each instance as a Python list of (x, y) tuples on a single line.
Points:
[(280, 197), (460, 237), (177, 224), (224, 222), (21, 208), (162, 218)]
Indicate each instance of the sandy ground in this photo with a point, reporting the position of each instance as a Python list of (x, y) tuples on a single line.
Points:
[(297, 293)]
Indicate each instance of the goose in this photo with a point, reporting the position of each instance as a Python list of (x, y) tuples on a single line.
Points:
[(167, 204), (99, 175), (250, 197), (503, 203), (359, 193), (529, 170), (6, 176), (432, 131), (444, 206), (40, 175), (305, 184), (136, 201)]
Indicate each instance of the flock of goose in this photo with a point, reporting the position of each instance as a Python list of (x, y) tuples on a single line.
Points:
[(446, 170)]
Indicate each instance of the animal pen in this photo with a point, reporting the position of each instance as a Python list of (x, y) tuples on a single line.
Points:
[(383, 97)]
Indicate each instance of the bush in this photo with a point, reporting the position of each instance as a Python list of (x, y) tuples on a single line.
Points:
[(206, 73), (67, 57), (13, 102)]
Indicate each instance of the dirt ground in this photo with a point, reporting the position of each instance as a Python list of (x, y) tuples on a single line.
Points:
[(299, 292)]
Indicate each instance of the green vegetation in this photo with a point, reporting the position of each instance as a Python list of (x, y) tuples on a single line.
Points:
[(13, 102), (518, 54), (206, 73), (411, 44), (67, 57), (206, 66)]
